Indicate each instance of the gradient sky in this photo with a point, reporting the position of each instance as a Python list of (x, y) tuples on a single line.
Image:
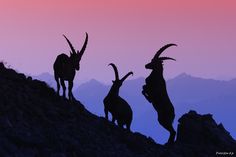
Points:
[(126, 32)]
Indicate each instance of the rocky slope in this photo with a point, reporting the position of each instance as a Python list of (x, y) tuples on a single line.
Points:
[(35, 122)]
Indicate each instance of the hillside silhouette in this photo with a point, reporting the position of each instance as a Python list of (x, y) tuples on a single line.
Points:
[(36, 122)]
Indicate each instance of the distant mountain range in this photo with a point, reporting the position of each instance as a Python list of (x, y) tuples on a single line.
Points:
[(46, 77), (186, 92)]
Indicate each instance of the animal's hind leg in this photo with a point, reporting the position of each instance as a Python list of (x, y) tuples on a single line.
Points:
[(128, 126), (58, 84), (120, 124), (70, 95), (63, 87), (168, 126), (172, 133)]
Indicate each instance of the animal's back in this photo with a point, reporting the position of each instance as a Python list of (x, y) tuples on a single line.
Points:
[(125, 113), (60, 62), (62, 67)]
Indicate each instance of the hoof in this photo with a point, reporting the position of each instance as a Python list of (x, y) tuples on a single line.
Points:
[(169, 143)]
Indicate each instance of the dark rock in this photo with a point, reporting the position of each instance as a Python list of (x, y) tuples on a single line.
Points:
[(2, 66), (202, 130)]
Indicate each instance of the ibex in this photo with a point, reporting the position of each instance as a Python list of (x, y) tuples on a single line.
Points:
[(155, 92), (65, 67), (117, 106)]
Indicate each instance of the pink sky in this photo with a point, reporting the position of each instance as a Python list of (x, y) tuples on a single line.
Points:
[(125, 32)]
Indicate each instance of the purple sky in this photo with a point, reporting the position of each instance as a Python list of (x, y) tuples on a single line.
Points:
[(125, 32)]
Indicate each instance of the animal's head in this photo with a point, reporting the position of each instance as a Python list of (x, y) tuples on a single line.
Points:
[(157, 61), (117, 83), (76, 56)]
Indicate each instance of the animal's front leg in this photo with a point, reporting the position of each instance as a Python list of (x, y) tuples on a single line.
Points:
[(145, 94), (63, 87), (113, 119), (58, 85), (106, 113), (70, 95), (147, 97)]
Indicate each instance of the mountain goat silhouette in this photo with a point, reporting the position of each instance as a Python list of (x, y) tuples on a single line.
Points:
[(116, 105), (155, 92), (65, 67)]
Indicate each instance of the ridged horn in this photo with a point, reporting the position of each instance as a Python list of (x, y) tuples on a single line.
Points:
[(115, 70), (71, 46), (166, 58), (81, 52), (127, 75), (162, 50)]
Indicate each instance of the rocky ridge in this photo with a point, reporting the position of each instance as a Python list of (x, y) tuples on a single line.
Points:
[(35, 122)]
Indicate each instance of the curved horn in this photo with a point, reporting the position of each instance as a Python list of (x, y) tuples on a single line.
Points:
[(127, 75), (115, 70), (162, 50), (166, 58), (81, 52), (71, 46)]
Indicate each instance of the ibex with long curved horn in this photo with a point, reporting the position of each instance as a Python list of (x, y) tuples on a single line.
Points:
[(65, 67), (155, 92), (116, 105)]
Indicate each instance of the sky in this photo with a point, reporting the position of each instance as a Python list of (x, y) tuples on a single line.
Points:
[(125, 32)]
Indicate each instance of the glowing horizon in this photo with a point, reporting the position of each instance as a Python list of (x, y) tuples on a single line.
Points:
[(127, 33)]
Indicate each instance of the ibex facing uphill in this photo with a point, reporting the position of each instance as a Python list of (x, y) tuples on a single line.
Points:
[(65, 68), (155, 92), (116, 105)]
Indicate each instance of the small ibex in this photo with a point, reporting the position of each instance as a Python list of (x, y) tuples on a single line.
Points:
[(65, 68), (116, 105), (155, 92)]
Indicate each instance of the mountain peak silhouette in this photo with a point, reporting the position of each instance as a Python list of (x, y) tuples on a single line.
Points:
[(183, 76)]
